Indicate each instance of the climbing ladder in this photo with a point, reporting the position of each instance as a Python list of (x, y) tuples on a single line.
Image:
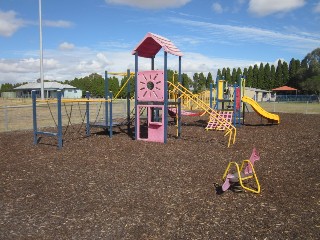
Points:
[(221, 121), (213, 124)]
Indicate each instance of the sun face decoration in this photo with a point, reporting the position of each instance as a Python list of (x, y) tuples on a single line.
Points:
[(150, 86)]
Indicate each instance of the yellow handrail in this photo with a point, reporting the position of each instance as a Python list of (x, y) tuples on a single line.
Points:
[(66, 100), (123, 86)]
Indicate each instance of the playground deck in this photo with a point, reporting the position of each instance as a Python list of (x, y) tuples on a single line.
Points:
[(101, 188)]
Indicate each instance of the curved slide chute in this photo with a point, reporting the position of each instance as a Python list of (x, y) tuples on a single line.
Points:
[(273, 118)]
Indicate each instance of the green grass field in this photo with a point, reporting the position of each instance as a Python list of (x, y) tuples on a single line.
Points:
[(291, 107)]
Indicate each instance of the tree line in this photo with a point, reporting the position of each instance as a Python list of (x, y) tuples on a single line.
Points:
[(303, 75)]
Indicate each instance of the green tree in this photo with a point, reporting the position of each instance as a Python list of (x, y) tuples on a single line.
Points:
[(285, 73), (195, 82), (239, 73), (202, 82), (219, 74), (294, 65), (278, 80), (209, 80), (6, 87), (311, 85), (267, 77), (228, 75), (114, 85), (249, 80), (314, 56), (260, 78), (245, 72), (234, 76), (255, 76), (186, 81), (272, 77)]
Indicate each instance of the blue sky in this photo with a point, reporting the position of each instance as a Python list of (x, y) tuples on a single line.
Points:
[(82, 37)]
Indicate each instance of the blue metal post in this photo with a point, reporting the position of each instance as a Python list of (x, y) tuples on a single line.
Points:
[(211, 91), (34, 114), (179, 100), (88, 114), (217, 93), (59, 120), (135, 95), (235, 112), (106, 95), (152, 63), (165, 105), (110, 115), (128, 100)]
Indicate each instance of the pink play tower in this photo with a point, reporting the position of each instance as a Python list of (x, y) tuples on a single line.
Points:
[(151, 90)]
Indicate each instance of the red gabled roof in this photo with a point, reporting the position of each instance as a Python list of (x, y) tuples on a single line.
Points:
[(151, 45), (284, 88)]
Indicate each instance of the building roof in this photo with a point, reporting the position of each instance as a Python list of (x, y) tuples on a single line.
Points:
[(151, 45), (284, 88), (47, 86), (256, 90)]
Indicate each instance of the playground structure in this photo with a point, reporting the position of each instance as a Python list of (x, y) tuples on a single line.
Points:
[(152, 106), (227, 102), (230, 102), (242, 174), (152, 94)]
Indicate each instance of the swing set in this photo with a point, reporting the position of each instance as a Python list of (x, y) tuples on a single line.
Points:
[(62, 102), (107, 121)]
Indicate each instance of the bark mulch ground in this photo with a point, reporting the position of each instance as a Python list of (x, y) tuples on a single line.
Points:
[(101, 188)]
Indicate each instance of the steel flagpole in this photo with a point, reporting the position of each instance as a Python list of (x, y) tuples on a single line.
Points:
[(41, 52)]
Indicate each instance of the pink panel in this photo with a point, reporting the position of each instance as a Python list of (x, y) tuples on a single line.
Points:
[(155, 129), (150, 86)]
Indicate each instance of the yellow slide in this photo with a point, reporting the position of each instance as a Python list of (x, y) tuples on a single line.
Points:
[(274, 118)]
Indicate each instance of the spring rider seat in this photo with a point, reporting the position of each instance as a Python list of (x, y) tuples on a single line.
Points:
[(241, 175)]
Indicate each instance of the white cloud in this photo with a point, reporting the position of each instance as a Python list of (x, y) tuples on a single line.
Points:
[(25, 66), (217, 8), (150, 4), (66, 46), (267, 7), (58, 23), (66, 65), (245, 34), (317, 8), (195, 62), (9, 23)]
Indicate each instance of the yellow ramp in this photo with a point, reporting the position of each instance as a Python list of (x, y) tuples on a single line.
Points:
[(274, 118)]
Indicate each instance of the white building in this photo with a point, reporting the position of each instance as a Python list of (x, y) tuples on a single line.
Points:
[(259, 95), (50, 90)]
